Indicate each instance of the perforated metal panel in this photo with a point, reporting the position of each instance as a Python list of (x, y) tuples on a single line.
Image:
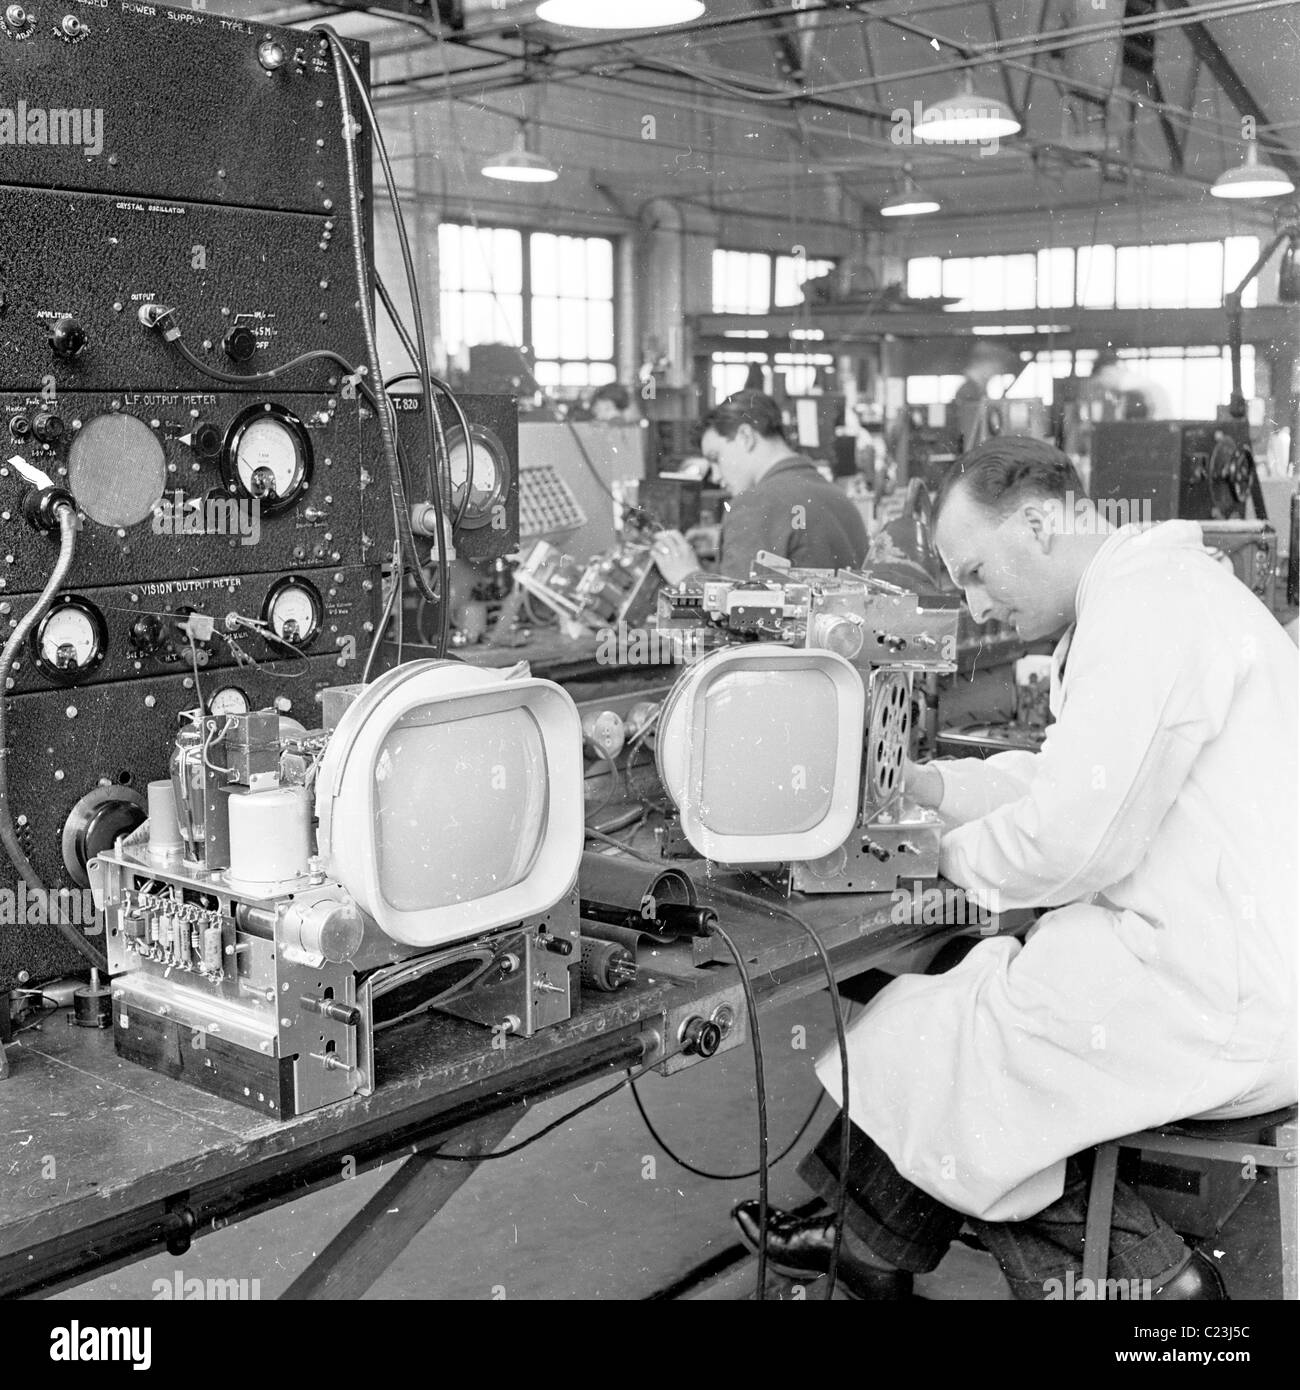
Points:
[(888, 732), (547, 506)]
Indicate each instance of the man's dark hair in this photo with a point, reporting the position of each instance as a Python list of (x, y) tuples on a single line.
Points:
[(761, 413), (615, 394), (1001, 473)]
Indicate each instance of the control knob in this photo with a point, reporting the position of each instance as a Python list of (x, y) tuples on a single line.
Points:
[(67, 338)]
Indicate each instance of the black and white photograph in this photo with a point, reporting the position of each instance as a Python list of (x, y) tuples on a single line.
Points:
[(651, 652)]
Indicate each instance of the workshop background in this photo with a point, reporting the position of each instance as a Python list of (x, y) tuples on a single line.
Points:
[(915, 224)]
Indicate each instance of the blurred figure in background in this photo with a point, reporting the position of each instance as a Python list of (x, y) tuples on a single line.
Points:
[(986, 362), (612, 405), (1133, 397)]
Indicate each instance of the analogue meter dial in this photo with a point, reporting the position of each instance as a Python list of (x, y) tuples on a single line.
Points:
[(267, 457), (293, 611), (70, 639), (230, 699), (474, 498)]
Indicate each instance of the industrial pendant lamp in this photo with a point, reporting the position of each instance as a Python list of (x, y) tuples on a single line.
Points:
[(907, 200), (619, 14), (519, 164), (965, 117), (1252, 179)]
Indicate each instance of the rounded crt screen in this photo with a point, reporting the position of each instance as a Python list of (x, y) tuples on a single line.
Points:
[(461, 807), (769, 752)]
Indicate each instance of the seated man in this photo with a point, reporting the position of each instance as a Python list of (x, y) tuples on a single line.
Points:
[(1159, 822), (780, 502)]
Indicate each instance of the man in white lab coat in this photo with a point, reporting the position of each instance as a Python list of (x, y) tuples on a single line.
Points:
[(1158, 822)]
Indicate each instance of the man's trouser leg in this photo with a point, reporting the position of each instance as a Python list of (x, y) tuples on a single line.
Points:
[(1043, 1256), (910, 1229)]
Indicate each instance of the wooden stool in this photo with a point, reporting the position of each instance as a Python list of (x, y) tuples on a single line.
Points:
[(1251, 1141)]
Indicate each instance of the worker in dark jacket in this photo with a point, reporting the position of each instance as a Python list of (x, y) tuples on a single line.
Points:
[(780, 502)]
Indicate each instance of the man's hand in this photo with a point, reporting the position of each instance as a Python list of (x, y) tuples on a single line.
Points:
[(675, 556), (923, 783)]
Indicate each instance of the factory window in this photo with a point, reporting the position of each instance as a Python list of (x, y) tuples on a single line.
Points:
[(572, 309), (1094, 279), (553, 294), (1055, 277), (1191, 382), (925, 277), (1177, 275), (797, 371), (1035, 381), (932, 390), (482, 282), (990, 282), (753, 282), (789, 276)]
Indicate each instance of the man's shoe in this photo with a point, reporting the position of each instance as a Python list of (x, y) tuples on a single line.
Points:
[(800, 1246), (1199, 1281)]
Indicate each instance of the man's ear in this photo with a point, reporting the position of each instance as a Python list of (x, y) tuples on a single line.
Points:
[(1045, 520), (747, 436)]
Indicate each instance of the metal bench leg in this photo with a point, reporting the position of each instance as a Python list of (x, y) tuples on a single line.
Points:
[(1286, 1197), (370, 1242), (1101, 1203)]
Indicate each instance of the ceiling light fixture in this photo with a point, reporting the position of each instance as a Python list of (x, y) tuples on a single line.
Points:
[(966, 117), (519, 164), (1252, 179), (619, 14), (907, 200)]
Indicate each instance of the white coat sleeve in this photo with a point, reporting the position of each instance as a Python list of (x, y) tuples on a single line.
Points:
[(1148, 691), (972, 787)]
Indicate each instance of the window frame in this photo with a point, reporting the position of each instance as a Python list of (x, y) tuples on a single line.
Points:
[(772, 257), (526, 231), (1098, 252)]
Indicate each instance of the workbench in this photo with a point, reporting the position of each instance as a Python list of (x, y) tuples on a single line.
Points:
[(105, 1162)]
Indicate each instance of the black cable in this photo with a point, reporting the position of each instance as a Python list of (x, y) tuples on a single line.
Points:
[(629, 509), (76, 938), (842, 1195), (615, 782), (345, 68), (194, 662), (408, 343), (760, 1090), (740, 900), (443, 447), (724, 1177), (382, 626), (634, 1074), (235, 379), (593, 834), (432, 423)]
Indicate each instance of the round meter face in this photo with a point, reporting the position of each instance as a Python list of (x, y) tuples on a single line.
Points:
[(474, 498), (230, 699), (293, 611), (267, 457), (70, 640)]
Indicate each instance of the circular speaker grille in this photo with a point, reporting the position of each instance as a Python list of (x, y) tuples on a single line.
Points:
[(891, 724), (116, 469)]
